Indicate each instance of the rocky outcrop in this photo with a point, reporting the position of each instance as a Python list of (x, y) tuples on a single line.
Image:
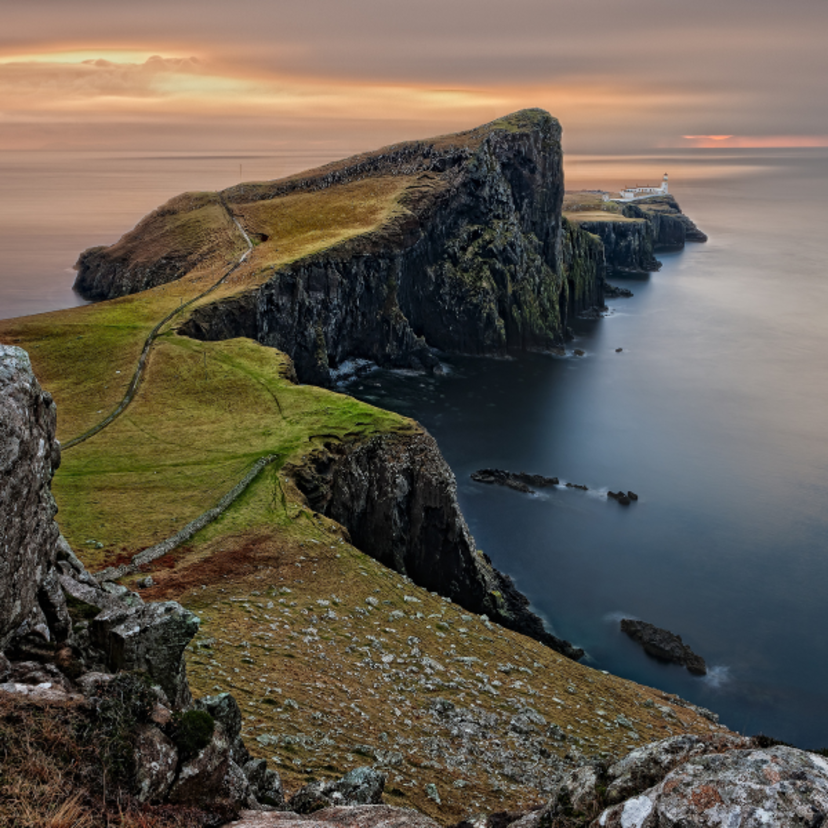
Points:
[(68, 639), (476, 260), (693, 782), (630, 234), (671, 227), (29, 455), (359, 816), (664, 645), (397, 497)]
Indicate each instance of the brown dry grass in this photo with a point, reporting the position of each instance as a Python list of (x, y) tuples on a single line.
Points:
[(51, 774), (265, 597)]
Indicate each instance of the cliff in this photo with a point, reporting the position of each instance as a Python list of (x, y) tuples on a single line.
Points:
[(631, 234), (397, 497), (470, 259)]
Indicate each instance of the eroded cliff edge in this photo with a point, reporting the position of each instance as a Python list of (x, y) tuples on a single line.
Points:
[(397, 497), (473, 259)]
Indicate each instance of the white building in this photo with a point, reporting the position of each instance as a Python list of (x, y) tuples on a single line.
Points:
[(632, 193)]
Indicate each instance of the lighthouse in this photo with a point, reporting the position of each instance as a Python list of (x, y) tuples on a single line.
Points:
[(664, 184)]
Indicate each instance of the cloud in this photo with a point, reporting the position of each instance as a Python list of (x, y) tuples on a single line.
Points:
[(622, 76)]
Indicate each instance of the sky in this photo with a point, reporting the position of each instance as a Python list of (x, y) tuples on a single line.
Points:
[(623, 76)]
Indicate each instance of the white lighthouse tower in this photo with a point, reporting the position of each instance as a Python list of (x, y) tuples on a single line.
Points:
[(664, 184)]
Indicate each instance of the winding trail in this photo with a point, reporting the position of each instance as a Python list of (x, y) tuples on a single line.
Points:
[(168, 544), (153, 335)]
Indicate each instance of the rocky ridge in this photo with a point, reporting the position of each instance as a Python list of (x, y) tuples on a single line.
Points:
[(475, 260)]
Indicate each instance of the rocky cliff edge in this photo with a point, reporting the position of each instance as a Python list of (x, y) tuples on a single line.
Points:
[(470, 256)]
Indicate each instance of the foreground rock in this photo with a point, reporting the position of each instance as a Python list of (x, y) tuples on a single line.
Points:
[(29, 455), (663, 644), (362, 816), (779, 786), (66, 639), (689, 782)]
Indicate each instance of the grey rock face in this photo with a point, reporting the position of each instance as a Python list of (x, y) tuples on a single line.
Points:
[(780, 786), (29, 455), (156, 760), (150, 638)]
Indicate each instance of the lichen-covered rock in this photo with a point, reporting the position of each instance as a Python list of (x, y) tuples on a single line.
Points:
[(225, 710), (397, 497), (780, 786), (149, 638), (156, 760), (648, 765), (29, 455), (361, 786), (201, 778), (359, 816)]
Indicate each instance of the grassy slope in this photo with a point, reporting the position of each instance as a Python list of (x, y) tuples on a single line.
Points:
[(202, 416)]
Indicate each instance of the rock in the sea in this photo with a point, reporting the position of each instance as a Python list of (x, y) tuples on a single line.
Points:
[(663, 644), (519, 481)]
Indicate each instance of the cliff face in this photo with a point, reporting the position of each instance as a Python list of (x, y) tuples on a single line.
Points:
[(472, 260), (396, 496), (631, 234), (628, 245)]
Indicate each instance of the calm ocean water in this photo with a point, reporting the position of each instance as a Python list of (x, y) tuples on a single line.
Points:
[(714, 412)]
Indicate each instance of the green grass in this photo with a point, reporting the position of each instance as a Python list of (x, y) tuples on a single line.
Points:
[(206, 412)]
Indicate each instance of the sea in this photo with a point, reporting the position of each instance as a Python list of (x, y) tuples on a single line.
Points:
[(714, 411)]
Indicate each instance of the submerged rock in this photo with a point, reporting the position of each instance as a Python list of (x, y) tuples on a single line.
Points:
[(664, 645)]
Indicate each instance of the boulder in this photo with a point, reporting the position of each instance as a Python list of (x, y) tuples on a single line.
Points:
[(150, 638), (225, 710), (361, 786), (648, 765), (156, 760), (780, 786), (663, 644), (201, 777)]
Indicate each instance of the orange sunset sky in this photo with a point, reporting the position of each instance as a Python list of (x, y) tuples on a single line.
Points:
[(622, 75)]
